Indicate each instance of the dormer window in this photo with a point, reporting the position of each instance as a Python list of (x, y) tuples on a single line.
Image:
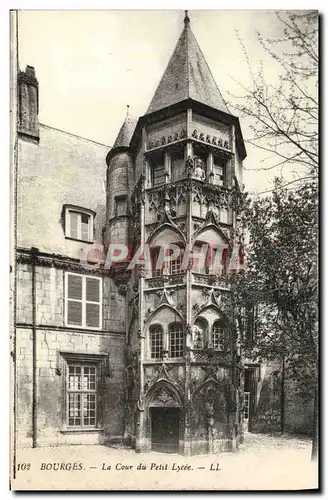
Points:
[(79, 223)]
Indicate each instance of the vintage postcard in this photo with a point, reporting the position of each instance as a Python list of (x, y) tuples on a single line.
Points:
[(164, 273)]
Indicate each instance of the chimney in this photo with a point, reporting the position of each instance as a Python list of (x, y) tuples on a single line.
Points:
[(28, 104)]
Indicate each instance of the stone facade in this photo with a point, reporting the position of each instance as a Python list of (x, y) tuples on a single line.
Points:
[(56, 169)]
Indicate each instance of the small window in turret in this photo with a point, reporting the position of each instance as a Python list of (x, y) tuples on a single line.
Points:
[(120, 205)]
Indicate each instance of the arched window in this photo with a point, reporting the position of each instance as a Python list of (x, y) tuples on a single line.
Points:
[(214, 261), (168, 267), (176, 343), (201, 260), (156, 341), (156, 270), (217, 336), (175, 266)]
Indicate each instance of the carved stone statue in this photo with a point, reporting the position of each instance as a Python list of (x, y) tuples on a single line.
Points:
[(199, 170), (198, 338)]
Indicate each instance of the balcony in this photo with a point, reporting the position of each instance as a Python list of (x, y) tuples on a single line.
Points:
[(210, 280), (167, 279)]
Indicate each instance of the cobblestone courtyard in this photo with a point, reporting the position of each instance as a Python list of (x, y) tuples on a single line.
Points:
[(262, 462)]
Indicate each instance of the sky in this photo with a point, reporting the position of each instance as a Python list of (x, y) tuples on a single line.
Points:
[(92, 64)]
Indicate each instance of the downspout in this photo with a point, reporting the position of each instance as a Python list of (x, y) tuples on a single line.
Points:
[(35, 252), (282, 397)]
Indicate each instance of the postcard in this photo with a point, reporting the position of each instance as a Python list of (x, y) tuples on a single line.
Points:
[(164, 243)]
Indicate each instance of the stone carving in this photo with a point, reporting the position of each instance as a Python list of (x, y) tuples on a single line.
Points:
[(181, 308), (156, 143), (199, 172), (189, 166), (163, 371), (163, 397), (188, 329), (201, 136), (153, 201), (165, 297), (155, 283), (146, 386), (142, 270), (181, 224), (198, 338)]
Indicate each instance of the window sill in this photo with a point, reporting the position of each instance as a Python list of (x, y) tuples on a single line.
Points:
[(80, 327), (163, 360), (81, 241), (81, 430)]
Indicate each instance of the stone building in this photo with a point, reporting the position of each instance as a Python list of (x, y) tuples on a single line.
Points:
[(143, 354), (64, 333)]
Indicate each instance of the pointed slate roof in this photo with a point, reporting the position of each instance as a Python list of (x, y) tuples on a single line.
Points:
[(187, 75), (126, 131)]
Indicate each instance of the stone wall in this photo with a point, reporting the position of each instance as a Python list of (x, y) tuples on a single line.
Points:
[(49, 343), (267, 416), (61, 169), (53, 338)]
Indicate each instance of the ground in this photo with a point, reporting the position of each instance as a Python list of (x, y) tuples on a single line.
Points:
[(262, 462)]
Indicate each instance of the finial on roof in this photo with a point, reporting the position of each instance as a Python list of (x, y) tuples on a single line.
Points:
[(186, 19), (127, 110)]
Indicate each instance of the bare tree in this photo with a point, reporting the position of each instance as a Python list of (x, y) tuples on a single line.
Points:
[(283, 116)]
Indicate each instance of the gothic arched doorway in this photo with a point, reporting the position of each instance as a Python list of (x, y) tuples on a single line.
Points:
[(165, 420)]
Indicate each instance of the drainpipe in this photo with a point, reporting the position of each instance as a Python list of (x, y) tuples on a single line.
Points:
[(35, 252), (282, 397)]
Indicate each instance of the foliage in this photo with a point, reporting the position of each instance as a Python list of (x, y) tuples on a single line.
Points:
[(280, 280)]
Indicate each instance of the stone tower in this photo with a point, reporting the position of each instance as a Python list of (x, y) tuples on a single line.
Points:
[(179, 170)]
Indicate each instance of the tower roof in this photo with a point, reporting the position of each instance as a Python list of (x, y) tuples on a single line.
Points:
[(126, 131), (187, 75)]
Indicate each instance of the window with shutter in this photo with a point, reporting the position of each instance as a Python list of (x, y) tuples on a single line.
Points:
[(83, 301), (92, 302), (73, 224), (78, 223)]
